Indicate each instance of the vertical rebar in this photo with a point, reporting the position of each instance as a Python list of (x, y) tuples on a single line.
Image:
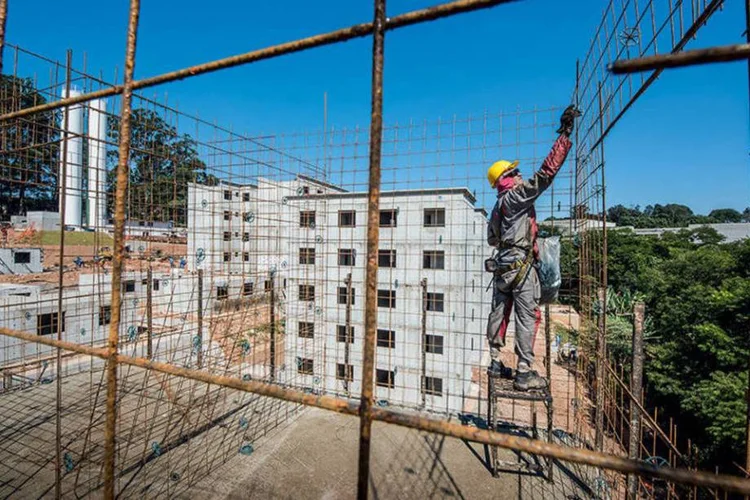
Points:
[(572, 215), (604, 276), (199, 343), (3, 20), (347, 330), (62, 174), (423, 284), (373, 228), (149, 312), (118, 254), (636, 389), (600, 370), (548, 368), (272, 345)]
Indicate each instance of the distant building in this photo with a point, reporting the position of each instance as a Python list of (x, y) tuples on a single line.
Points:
[(432, 295), (731, 231), (238, 228), (573, 226), (21, 260), (41, 221)]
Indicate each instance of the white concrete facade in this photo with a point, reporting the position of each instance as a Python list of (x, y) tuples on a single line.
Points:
[(241, 229), (21, 260), (41, 221), (460, 325)]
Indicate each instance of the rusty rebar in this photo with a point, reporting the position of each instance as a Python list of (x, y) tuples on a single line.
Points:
[(118, 253), (450, 429), (149, 313), (568, 454), (63, 174), (340, 35), (652, 421), (373, 237), (548, 373), (636, 387), (686, 37), (724, 53), (199, 334), (601, 354), (3, 22)]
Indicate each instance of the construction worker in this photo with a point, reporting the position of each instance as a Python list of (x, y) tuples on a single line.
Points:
[(512, 230)]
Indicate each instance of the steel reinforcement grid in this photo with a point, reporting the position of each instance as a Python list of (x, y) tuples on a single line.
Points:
[(239, 330)]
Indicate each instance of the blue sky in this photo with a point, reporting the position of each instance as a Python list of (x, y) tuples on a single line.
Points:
[(685, 141)]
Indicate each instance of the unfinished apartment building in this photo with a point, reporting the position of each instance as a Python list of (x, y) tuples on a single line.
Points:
[(432, 301), (239, 228)]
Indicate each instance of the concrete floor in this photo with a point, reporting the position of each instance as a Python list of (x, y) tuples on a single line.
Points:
[(183, 439), (316, 457)]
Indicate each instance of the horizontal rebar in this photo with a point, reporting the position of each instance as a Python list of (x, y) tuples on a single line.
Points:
[(725, 53), (566, 453), (492, 438), (340, 35)]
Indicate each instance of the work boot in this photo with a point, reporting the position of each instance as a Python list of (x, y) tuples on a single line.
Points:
[(529, 381), (497, 369)]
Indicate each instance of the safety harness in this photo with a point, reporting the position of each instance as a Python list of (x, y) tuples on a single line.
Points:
[(491, 265)]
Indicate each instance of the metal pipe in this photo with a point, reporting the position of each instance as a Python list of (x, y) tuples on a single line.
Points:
[(341, 35), (724, 53), (450, 429), (118, 254), (373, 236), (636, 386)]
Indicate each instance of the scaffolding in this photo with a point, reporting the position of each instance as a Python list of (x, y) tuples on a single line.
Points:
[(211, 285)]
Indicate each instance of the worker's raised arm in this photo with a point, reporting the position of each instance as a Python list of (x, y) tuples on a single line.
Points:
[(531, 189)]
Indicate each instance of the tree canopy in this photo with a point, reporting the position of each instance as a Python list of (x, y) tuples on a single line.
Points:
[(697, 293), (162, 163), (28, 150), (671, 215)]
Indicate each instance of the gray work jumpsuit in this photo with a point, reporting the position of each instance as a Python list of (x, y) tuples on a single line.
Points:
[(512, 230)]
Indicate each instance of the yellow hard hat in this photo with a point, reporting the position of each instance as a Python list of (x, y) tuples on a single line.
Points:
[(499, 169)]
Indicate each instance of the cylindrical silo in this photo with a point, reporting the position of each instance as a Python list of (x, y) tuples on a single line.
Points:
[(73, 159), (97, 165)]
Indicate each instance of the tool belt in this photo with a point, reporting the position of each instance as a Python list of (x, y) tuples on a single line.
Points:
[(491, 266)]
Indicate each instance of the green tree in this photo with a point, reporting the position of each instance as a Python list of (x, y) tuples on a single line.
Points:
[(697, 292), (28, 149), (725, 215), (162, 163)]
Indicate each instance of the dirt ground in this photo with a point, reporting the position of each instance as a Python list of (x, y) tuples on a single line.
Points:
[(135, 261)]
